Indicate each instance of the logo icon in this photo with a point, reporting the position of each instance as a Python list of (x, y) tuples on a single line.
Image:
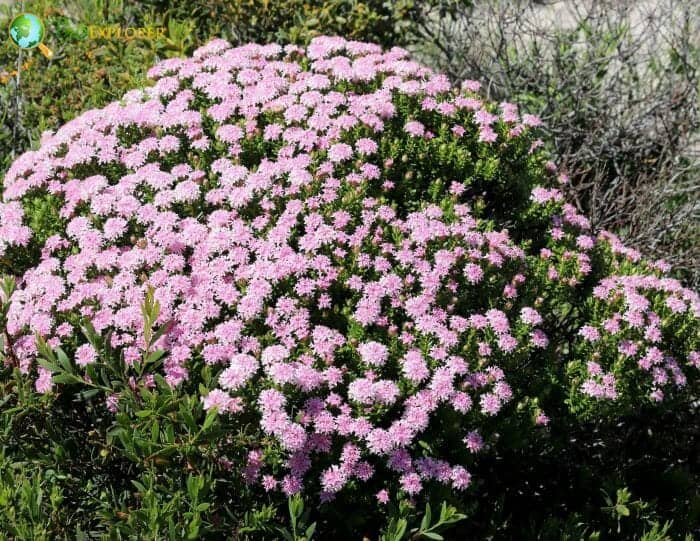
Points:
[(27, 32)]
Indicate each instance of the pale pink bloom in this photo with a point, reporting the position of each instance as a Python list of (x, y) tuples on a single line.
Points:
[(43, 383), (222, 402), (382, 496), (85, 355)]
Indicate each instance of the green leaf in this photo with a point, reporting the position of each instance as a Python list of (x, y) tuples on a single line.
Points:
[(48, 365), (432, 535), (622, 510), (44, 349), (425, 523), (187, 417), (154, 355), (287, 536), (425, 445), (63, 359), (296, 506), (456, 517), (114, 432), (155, 431), (66, 378), (193, 530), (210, 418), (310, 531), (139, 486), (89, 393), (401, 526)]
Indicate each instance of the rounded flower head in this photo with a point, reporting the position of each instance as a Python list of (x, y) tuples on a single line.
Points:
[(85, 355), (373, 353)]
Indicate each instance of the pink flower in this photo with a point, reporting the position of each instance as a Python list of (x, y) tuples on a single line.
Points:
[(461, 478), (291, 485), (366, 146), (269, 483), (373, 353), (542, 195), (411, 483), (530, 316), (43, 383), (112, 403), (657, 395), (694, 359), (484, 349), (414, 128), (333, 479), (414, 367), (628, 348), (254, 203), (541, 419), (85, 355), (239, 372), (507, 343), (589, 333), (339, 152), (509, 112), (473, 272), (585, 242), (222, 402), (470, 85), (474, 442), (490, 404), (531, 120), (487, 134)]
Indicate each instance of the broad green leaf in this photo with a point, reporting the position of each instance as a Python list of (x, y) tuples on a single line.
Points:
[(425, 523), (210, 418)]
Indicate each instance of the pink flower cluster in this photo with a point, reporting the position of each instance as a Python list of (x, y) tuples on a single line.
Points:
[(12, 230), (243, 189), (643, 311), (635, 315)]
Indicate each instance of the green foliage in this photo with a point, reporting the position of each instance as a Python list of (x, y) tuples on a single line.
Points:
[(298, 518), (398, 527), (294, 21), (30, 502)]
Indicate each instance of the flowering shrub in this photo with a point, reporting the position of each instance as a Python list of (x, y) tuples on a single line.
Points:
[(354, 268)]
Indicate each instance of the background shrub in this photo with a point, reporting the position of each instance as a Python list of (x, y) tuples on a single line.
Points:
[(616, 84), (295, 21)]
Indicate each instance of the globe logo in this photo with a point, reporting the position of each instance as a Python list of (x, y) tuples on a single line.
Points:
[(27, 31)]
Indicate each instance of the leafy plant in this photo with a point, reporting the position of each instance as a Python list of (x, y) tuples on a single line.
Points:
[(323, 278)]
